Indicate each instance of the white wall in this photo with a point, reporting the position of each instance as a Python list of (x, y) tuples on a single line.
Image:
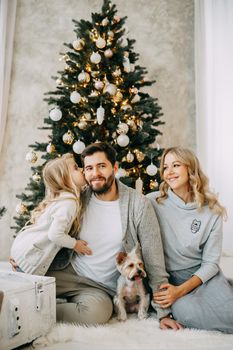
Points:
[(164, 38)]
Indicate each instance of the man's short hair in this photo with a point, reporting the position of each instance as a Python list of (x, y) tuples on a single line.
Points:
[(104, 147)]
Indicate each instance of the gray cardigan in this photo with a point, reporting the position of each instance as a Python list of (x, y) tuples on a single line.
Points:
[(139, 223)]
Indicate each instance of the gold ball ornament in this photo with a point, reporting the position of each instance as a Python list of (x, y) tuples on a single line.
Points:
[(132, 125), (118, 97), (122, 128), (50, 148), (21, 209), (99, 85), (68, 137), (117, 73), (153, 184), (31, 157), (140, 156), (36, 177)]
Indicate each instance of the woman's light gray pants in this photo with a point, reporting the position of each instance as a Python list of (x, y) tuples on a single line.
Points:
[(88, 302), (209, 306)]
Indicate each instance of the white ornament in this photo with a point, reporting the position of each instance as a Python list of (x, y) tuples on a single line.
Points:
[(78, 44), (100, 114), (95, 58), (36, 177), (123, 42), (105, 22), (55, 114), (135, 99), (78, 147), (100, 43), (75, 97), (111, 89), (117, 73), (151, 169), (59, 82), (50, 148), (123, 140), (120, 173), (111, 34), (122, 128), (99, 85), (126, 65), (31, 157), (108, 53), (83, 77)]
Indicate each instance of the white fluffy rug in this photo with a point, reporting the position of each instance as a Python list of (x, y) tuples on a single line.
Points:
[(131, 335)]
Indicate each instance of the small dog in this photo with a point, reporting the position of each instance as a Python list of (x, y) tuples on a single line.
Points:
[(131, 295)]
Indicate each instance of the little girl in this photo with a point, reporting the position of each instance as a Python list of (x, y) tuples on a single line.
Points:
[(57, 216), (190, 218)]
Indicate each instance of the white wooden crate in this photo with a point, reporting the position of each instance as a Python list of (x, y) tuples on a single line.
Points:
[(28, 307)]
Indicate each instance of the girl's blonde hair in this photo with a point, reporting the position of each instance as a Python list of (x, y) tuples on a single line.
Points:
[(198, 181), (57, 179)]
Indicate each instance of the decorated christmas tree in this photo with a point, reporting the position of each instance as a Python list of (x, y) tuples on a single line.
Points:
[(100, 96)]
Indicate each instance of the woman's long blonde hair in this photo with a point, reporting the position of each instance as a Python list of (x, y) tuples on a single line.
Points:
[(57, 179), (198, 181)]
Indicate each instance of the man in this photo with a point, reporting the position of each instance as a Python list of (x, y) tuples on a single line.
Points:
[(115, 218)]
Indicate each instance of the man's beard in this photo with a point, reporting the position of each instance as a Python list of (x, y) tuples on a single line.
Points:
[(106, 187)]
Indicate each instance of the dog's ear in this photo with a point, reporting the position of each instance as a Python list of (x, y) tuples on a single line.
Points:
[(120, 258)]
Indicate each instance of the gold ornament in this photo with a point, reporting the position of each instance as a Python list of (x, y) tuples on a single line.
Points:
[(50, 148), (153, 184), (117, 73), (129, 157), (139, 155), (21, 209), (36, 177), (68, 137), (113, 110), (82, 125), (132, 125), (118, 97), (84, 77)]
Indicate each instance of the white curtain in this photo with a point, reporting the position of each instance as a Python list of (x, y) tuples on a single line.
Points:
[(7, 25), (214, 100)]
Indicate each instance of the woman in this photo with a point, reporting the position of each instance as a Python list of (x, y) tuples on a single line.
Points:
[(190, 218)]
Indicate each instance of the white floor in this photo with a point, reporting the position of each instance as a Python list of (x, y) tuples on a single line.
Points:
[(92, 338)]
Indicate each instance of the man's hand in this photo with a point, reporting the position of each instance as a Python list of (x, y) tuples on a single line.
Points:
[(169, 323), (13, 263)]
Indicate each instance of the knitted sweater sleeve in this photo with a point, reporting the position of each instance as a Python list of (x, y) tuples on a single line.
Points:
[(211, 252), (152, 250), (62, 219)]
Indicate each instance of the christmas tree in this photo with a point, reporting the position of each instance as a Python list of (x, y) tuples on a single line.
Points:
[(100, 96)]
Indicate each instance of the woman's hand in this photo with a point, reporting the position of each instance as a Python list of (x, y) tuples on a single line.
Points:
[(81, 247), (167, 295)]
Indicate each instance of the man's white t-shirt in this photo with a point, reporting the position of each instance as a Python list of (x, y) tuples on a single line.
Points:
[(102, 229)]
